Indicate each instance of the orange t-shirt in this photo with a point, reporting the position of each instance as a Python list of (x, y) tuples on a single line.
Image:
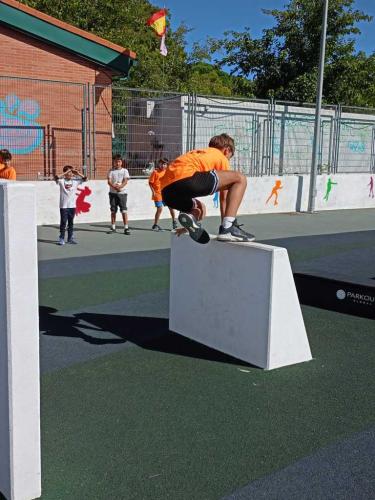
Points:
[(154, 183), (199, 160), (7, 173)]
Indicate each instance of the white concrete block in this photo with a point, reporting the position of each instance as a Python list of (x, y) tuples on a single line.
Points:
[(238, 298), (20, 464)]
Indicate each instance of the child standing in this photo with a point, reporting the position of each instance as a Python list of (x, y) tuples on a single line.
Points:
[(154, 183), (6, 171), (68, 182), (118, 177), (203, 172)]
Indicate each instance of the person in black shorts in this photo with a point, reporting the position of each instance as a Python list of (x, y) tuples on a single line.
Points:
[(118, 178), (203, 172)]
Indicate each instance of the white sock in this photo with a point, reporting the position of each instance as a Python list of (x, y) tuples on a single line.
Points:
[(228, 221), (113, 226), (126, 226)]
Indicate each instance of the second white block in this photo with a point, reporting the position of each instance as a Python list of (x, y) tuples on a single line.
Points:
[(238, 298)]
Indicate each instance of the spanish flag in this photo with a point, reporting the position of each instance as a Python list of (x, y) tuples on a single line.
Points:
[(158, 23)]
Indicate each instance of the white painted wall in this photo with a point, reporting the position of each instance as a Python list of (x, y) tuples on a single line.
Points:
[(20, 463), (351, 191)]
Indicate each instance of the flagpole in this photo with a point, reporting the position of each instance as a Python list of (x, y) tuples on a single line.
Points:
[(318, 110), (163, 79)]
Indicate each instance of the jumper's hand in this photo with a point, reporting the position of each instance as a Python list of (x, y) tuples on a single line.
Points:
[(181, 230)]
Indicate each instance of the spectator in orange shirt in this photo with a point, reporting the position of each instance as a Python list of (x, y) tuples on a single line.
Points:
[(154, 183), (203, 172), (6, 171)]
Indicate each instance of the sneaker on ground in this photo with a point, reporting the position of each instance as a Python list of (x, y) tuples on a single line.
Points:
[(127, 231), (196, 232), (112, 230), (234, 233), (73, 242), (156, 227), (61, 242)]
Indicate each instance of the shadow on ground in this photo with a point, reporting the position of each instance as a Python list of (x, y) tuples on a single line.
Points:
[(149, 333)]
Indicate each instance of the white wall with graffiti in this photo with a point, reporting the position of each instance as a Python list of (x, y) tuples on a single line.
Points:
[(268, 194)]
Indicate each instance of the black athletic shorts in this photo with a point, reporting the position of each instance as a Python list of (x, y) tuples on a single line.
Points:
[(118, 200), (180, 194)]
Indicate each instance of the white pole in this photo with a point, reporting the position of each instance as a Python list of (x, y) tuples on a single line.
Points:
[(316, 143), (20, 464)]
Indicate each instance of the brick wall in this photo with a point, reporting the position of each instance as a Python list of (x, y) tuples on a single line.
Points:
[(41, 122)]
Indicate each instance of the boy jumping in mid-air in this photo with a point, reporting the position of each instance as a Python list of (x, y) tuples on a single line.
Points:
[(202, 172), (154, 183)]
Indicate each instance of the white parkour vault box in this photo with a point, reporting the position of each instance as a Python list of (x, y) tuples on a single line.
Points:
[(238, 298), (20, 464)]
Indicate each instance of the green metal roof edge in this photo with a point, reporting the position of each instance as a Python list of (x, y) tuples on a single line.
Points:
[(37, 28)]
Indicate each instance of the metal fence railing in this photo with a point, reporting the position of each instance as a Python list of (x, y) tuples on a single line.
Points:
[(47, 124), (42, 123)]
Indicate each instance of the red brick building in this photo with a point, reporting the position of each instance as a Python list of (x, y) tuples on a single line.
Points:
[(55, 94)]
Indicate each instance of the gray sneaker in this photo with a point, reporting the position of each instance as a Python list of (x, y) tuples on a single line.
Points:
[(196, 231), (234, 233), (249, 235), (61, 242)]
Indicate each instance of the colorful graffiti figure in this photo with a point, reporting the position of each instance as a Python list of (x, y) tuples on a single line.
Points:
[(330, 183), (371, 184), (215, 199), (82, 206), (19, 130), (275, 192)]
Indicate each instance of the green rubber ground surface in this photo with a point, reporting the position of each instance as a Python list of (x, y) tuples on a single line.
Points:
[(162, 417)]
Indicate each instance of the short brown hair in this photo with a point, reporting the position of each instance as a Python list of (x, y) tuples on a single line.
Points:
[(163, 161), (5, 155), (222, 141), (66, 168)]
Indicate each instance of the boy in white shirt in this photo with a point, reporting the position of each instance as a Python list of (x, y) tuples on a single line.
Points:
[(118, 178), (68, 183)]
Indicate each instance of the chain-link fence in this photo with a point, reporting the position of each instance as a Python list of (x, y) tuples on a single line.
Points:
[(47, 124), (43, 124)]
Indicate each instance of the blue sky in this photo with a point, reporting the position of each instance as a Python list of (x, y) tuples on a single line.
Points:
[(212, 18)]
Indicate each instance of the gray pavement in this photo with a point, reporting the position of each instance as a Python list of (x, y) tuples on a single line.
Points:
[(94, 239)]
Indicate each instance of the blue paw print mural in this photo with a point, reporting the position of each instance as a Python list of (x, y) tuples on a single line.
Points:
[(19, 130)]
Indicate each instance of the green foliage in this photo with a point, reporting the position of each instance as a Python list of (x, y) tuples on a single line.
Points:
[(124, 23), (284, 61)]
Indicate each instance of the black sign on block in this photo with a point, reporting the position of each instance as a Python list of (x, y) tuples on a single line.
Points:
[(336, 295)]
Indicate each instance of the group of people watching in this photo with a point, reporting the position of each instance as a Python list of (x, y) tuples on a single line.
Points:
[(117, 178)]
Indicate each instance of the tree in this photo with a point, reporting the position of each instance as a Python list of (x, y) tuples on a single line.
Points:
[(284, 61), (124, 23)]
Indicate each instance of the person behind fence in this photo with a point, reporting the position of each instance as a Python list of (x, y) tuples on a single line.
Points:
[(68, 183), (202, 172), (7, 172), (118, 178), (154, 183)]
